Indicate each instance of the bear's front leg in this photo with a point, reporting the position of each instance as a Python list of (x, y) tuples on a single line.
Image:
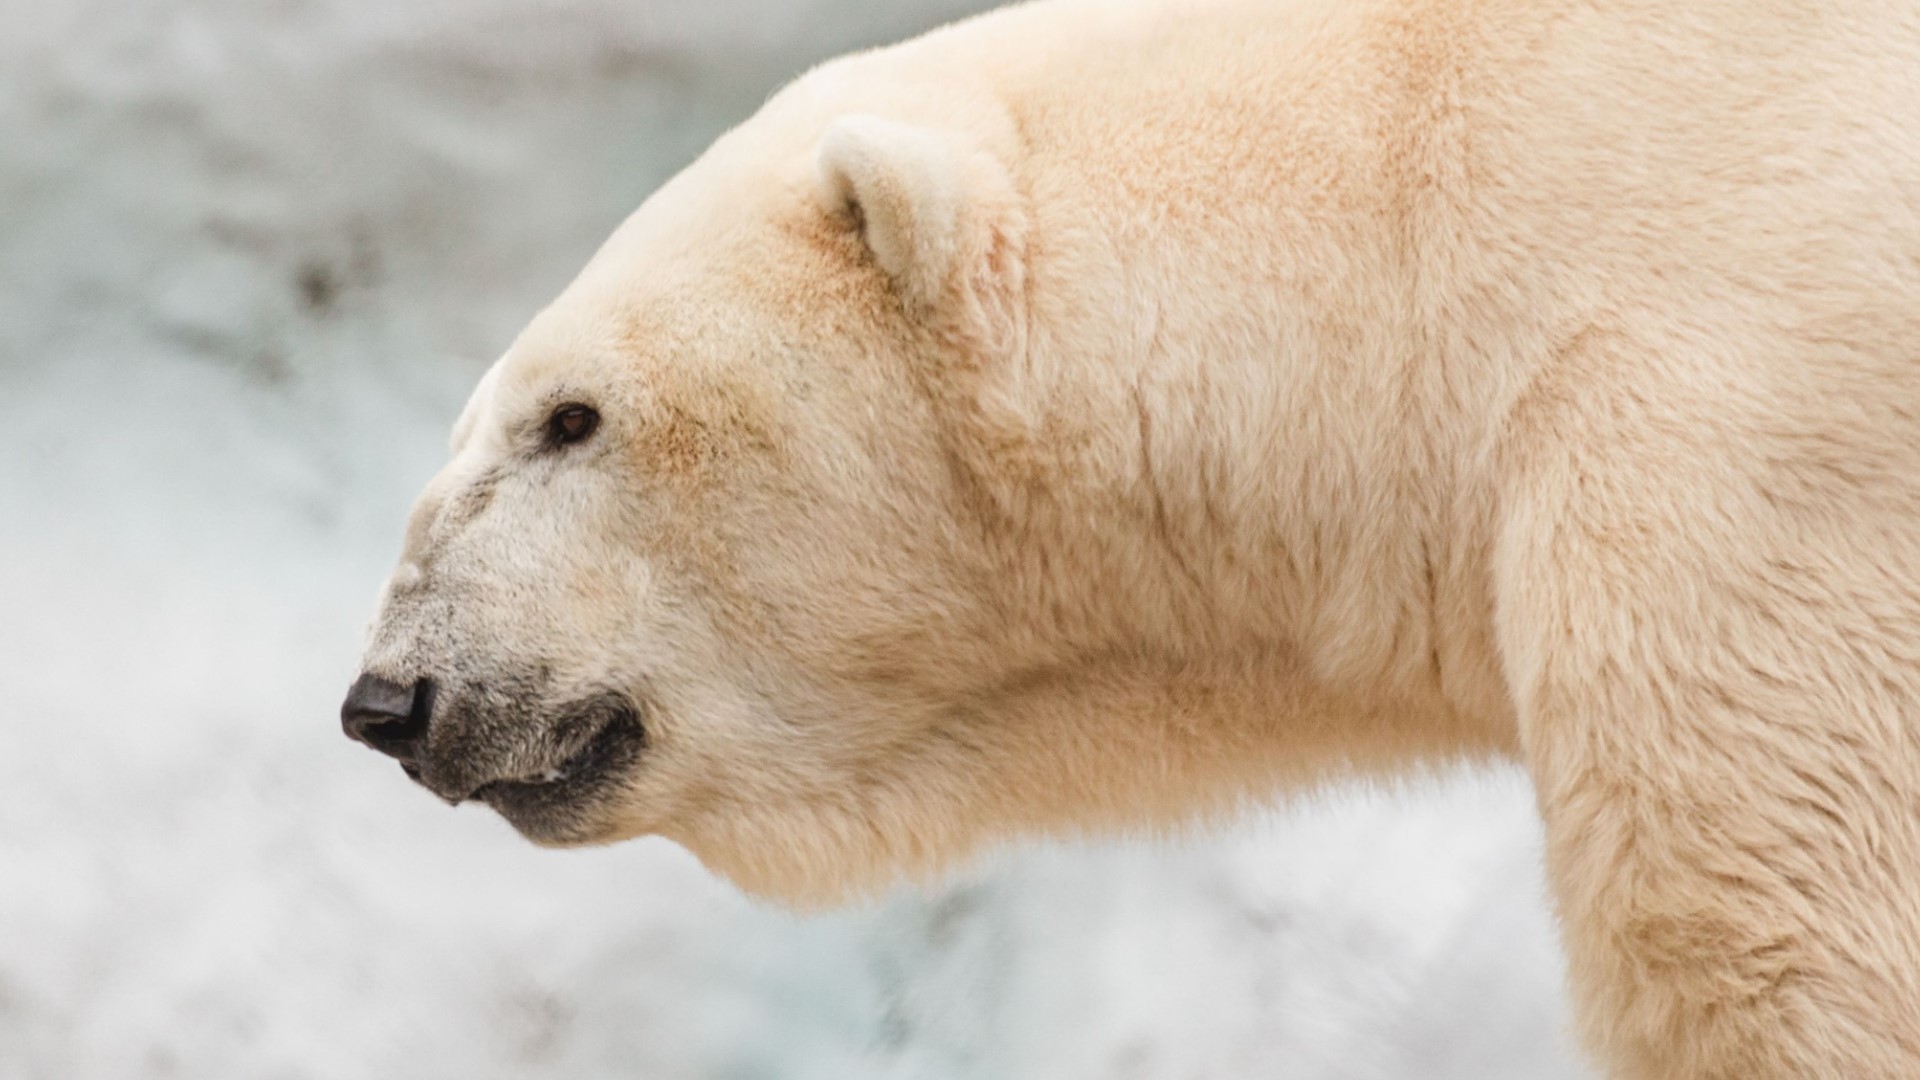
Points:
[(1717, 674)]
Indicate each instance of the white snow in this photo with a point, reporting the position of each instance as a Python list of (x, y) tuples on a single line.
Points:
[(252, 255)]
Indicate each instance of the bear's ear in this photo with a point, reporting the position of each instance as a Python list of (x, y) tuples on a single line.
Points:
[(935, 214)]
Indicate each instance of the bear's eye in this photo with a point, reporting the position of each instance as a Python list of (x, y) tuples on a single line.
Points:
[(571, 423)]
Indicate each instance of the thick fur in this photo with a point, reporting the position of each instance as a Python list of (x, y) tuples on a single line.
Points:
[(1101, 413)]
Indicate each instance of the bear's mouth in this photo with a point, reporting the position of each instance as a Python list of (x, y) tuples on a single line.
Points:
[(547, 806)]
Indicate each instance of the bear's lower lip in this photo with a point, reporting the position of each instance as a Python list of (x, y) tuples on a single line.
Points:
[(551, 807)]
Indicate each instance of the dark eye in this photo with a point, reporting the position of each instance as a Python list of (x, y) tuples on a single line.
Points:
[(570, 424)]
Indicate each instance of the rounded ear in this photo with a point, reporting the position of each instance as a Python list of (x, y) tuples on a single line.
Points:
[(940, 218)]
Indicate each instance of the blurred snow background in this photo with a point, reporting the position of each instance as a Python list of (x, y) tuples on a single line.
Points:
[(252, 255)]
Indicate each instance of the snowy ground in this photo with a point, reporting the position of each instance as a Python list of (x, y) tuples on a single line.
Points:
[(252, 254)]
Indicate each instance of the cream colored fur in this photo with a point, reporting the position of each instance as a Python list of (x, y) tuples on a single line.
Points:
[(1100, 414)]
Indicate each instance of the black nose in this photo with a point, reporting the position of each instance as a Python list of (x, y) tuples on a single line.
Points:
[(387, 716)]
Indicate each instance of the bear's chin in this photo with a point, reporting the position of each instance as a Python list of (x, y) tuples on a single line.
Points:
[(573, 807), (554, 825)]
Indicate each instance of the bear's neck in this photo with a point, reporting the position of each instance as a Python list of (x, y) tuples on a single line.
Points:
[(1257, 471), (1231, 564), (1242, 471), (1192, 542)]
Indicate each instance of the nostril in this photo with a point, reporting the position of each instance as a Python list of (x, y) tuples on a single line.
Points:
[(388, 716)]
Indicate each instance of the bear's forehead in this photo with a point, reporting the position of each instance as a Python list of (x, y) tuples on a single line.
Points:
[(553, 355), (652, 334), (667, 321), (665, 355)]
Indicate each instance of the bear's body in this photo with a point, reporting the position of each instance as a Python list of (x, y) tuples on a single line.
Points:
[(1094, 414)]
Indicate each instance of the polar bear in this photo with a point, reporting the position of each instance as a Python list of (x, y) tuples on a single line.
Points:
[(1104, 413)]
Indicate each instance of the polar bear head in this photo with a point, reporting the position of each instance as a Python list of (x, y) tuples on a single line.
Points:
[(704, 562), (801, 530)]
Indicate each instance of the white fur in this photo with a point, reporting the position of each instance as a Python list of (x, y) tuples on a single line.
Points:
[(1222, 395)]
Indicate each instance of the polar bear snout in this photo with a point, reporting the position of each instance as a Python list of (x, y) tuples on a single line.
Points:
[(388, 716), (545, 761)]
